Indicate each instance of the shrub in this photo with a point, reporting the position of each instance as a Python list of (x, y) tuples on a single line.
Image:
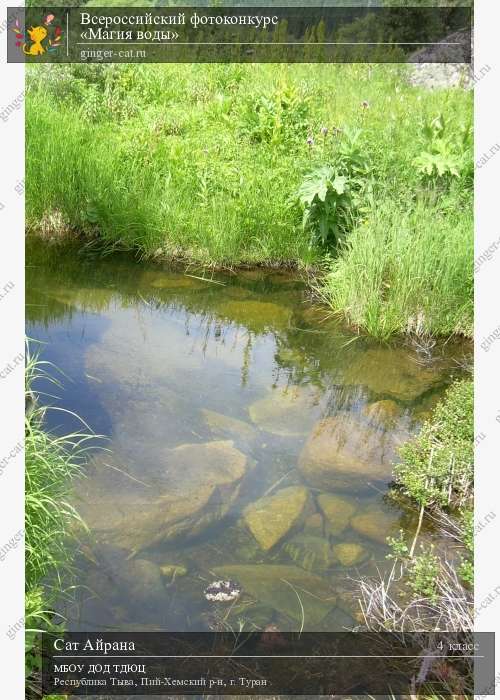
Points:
[(437, 465), (423, 573), (399, 547)]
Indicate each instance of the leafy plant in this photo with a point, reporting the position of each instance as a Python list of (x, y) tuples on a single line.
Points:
[(325, 198), (437, 465), (274, 118), (466, 571), (109, 101), (466, 568), (467, 521), (399, 547), (439, 161), (445, 153), (351, 156), (330, 195), (150, 130), (424, 573)]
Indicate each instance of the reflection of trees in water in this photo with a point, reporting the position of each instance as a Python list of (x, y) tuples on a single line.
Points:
[(43, 310), (308, 349), (62, 282)]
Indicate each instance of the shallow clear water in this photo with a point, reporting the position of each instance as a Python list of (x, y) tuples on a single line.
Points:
[(213, 395)]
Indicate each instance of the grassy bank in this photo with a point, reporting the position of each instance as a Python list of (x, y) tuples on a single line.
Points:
[(240, 165), (430, 587), (406, 271), (51, 463)]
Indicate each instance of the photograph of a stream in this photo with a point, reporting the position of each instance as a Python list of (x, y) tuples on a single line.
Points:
[(250, 439), (249, 322)]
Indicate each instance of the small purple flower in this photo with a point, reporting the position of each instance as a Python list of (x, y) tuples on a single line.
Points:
[(310, 141), (324, 131)]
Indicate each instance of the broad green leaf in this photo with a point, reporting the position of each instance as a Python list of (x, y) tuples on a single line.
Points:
[(339, 184)]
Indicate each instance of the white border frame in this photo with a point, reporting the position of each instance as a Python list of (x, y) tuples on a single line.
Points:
[(11, 370), (487, 319), (487, 361)]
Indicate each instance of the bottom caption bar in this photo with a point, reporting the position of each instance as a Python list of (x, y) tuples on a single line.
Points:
[(265, 663)]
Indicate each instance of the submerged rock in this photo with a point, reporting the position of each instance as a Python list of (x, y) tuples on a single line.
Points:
[(257, 316), (340, 621), (113, 579), (197, 486), (140, 580), (348, 598), (282, 412), (343, 450), (385, 412), (241, 543), (338, 511), (242, 615), (314, 524), (310, 552), (376, 524), (270, 519), (280, 587), (173, 571), (427, 406), (392, 371), (350, 553), (235, 292), (225, 426)]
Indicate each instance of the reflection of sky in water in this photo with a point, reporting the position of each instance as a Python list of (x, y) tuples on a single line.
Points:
[(145, 353)]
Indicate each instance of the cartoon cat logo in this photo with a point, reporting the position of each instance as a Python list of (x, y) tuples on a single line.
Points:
[(37, 36)]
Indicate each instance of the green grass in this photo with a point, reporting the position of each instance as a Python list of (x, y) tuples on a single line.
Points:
[(203, 163), (406, 270), (51, 464)]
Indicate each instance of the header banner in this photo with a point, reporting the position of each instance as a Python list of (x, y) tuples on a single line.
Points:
[(239, 35)]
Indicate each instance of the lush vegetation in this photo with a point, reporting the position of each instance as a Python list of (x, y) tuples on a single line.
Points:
[(437, 466), (345, 169), (406, 271), (51, 463), (436, 474)]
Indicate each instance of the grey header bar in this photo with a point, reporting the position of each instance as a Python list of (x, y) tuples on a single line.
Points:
[(239, 35)]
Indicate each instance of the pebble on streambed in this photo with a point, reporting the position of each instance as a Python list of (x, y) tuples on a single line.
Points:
[(223, 591)]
